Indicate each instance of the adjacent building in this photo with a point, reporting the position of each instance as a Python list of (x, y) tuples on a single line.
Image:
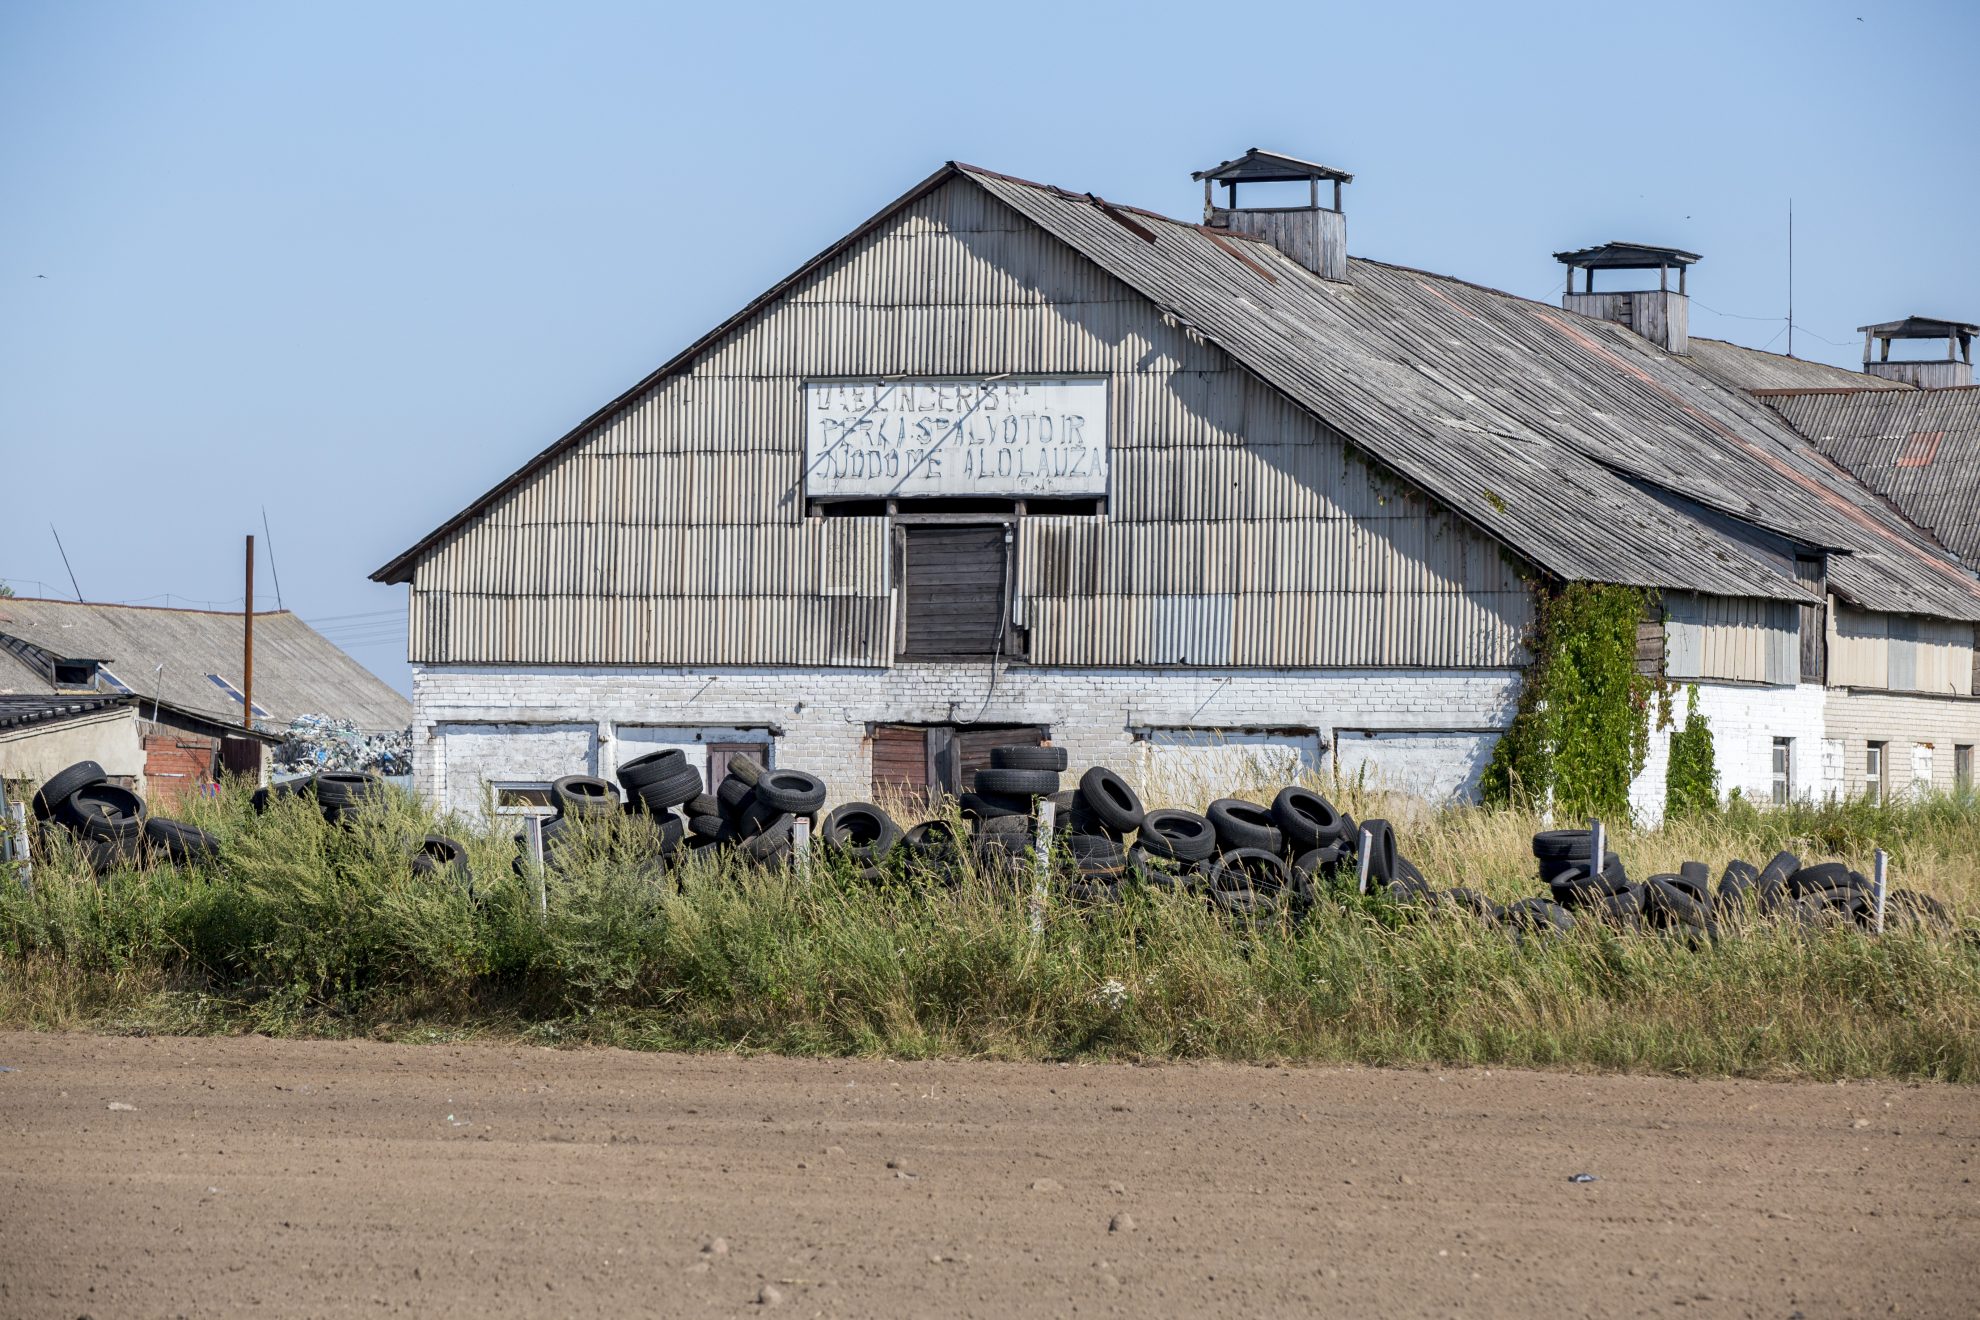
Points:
[(1196, 499), (156, 695)]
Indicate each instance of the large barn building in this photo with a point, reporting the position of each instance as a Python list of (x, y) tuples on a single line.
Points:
[(1010, 461)]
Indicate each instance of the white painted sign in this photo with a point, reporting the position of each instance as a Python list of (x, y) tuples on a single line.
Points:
[(1016, 436)]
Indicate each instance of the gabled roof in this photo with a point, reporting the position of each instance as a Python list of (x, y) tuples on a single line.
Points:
[(168, 654), (1537, 424), (1547, 429), (1260, 166), (1626, 256), (1919, 449), (1738, 367)]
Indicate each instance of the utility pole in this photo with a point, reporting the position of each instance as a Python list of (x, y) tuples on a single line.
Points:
[(247, 645)]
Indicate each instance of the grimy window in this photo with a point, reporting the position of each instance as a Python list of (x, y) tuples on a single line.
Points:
[(1873, 772), (1783, 771), (957, 581)]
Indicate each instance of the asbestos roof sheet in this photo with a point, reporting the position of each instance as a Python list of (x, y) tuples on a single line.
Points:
[(1738, 367), (168, 654), (1539, 425), (1919, 449)]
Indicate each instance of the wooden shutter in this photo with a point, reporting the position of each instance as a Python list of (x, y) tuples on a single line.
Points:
[(900, 760), (955, 591), (1810, 572)]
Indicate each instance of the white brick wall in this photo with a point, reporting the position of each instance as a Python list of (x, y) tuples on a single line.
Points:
[(1745, 721), (821, 716)]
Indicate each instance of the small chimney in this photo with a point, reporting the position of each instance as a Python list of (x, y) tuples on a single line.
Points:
[(1313, 235), (1950, 372), (1661, 315)]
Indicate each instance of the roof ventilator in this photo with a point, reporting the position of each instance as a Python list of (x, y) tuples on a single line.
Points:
[(1661, 315), (1950, 372), (1313, 235)]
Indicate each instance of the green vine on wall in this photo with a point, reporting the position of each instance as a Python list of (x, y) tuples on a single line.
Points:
[(1693, 784), (1582, 728)]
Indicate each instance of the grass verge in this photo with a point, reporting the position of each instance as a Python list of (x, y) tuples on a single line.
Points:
[(313, 929)]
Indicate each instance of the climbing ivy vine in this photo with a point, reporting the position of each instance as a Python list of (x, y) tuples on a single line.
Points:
[(1693, 785), (1582, 728)]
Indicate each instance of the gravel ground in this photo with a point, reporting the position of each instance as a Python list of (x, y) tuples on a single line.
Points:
[(160, 1177)]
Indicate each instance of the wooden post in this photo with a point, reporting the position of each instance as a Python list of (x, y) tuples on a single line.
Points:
[(1048, 812), (247, 645), (1337, 194)]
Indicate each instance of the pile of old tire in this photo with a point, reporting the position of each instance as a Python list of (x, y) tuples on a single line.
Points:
[(1003, 805), (1281, 859), (581, 803), (337, 794), (111, 824), (439, 857), (1816, 893), (755, 810)]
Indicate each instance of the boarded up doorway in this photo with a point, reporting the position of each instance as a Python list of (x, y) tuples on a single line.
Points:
[(925, 761)]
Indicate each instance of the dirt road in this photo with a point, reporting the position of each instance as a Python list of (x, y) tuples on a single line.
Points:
[(220, 1177)]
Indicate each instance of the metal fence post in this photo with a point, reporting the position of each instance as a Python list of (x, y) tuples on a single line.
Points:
[(1362, 859), (801, 847), (1881, 867), (1048, 813), (535, 828), (1598, 847)]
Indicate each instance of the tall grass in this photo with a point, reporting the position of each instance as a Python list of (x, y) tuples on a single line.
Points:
[(314, 928)]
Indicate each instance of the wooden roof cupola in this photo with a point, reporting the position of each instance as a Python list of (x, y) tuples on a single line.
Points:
[(1949, 372), (1661, 315), (1313, 235)]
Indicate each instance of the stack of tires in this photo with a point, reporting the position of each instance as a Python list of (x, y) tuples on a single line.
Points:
[(1004, 802), (111, 824), (756, 810), (656, 786)]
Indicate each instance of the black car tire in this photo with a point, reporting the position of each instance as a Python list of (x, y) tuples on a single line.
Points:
[(1241, 825), (1109, 797), (791, 790)]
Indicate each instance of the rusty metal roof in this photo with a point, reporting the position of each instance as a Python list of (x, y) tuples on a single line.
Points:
[(1743, 368), (1539, 425), (1552, 431), (170, 653), (1919, 449)]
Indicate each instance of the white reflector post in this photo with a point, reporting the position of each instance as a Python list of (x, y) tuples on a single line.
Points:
[(1048, 813)]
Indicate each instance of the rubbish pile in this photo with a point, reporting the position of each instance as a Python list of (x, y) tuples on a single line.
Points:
[(324, 742), (111, 824)]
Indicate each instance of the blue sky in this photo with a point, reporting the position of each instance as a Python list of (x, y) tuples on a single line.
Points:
[(353, 263)]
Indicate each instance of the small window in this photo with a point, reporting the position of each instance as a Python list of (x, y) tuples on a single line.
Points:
[(1963, 767), (1783, 771), (1873, 772), (72, 675), (523, 800)]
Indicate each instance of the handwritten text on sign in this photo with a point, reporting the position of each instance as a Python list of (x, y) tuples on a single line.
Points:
[(1025, 435)]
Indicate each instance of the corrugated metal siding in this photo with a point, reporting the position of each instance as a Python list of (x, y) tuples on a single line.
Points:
[(1754, 641), (1903, 653), (1238, 531)]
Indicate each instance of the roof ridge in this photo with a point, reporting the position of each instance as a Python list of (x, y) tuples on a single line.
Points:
[(120, 605)]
